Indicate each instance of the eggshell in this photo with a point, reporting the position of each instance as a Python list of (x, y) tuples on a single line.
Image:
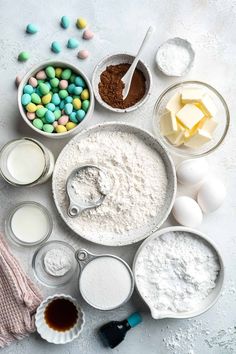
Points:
[(211, 195), (191, 172), (187, 212)]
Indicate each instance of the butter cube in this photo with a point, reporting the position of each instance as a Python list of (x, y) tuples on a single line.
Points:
[(189, 95), (177, 138), (209, 125), (174, 104), (168, 124), (208, 106), (198, 139), (189, 115)]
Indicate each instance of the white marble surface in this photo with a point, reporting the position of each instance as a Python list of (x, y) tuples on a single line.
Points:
[(119, 26)]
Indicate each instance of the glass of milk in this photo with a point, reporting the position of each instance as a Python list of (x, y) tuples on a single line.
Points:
[(26, 162)]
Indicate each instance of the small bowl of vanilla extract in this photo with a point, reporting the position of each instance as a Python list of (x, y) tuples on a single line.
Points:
[(59, 319)]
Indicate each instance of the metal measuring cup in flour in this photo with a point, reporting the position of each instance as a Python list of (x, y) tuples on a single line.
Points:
[(86, 187), (106, 281)]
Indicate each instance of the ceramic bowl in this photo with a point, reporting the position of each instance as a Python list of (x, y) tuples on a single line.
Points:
[(61, 64), (116, 59), (222, 117), (49, 334), (213, 296)]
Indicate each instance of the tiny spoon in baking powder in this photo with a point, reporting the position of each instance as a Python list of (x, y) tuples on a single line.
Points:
[(127, 78)]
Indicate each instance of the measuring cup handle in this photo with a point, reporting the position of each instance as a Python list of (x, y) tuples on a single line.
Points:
[(73, 210), (83, 257)]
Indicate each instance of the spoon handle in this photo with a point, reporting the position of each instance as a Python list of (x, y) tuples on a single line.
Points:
[(145, 40)]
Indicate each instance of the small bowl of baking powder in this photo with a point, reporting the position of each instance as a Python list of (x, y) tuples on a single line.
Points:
[(175, 57)]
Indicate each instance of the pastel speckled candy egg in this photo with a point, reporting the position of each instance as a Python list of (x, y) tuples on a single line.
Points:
[(48, 128), (81, 23), (41, 75), (30, 115), (70, 125), (17, 80), (65, 22), (23, 56), (83, 54), (63, 120), (63, 84), (60, 129), (56, 47), (72, 43), (33, 81), (88, 34), (80, 114), (31, 28)]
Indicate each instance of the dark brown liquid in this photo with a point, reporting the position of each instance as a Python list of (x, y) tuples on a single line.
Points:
[(61, 315)]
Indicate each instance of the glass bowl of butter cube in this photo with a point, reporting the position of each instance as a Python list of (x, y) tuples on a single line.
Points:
[(191, 119)]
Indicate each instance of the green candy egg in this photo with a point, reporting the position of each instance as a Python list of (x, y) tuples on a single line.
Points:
[(72, 78), (35, 98), (23, 56), (66, 74), (43, 88), (50, 72), (57, 113), (37, 123), (85, 105), (48, 128), (63, 94), (54, 82), (41, 112)]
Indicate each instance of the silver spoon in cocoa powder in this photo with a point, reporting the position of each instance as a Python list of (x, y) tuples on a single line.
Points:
[(127, 78)]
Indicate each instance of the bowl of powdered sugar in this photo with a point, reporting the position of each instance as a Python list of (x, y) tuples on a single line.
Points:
[(143, 183), (178, 272)]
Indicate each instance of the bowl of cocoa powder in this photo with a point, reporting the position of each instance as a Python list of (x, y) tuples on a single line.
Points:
[(108, 86)]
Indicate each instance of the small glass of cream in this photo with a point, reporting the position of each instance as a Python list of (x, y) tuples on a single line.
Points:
[(26, 162), (29, 224)]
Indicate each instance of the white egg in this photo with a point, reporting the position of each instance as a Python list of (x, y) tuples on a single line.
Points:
[(187, 212), (190, 172), (211, 195)]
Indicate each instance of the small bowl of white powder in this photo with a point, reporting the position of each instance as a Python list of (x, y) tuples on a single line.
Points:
[(178, 272), (54, 263), (175, 57)]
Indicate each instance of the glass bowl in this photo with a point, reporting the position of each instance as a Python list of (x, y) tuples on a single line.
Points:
[(222, 117)]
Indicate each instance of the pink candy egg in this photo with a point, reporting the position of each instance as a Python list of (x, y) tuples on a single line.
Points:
[(63, 84), (17, 80), (83, 54), (63, 120), (55, 124), (41, 75), (33, 82), (30, 115), (88, 34)]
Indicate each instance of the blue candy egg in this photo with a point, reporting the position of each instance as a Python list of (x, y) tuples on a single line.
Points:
[(28, 89), (68, 99), (25, 99), (51, 107), (65, 22), (79, 81), (80, 115), (72, 43), (70, 88), (62, 104), (31, 28), (49, 117), (78, 90), (73, 117), (56, 47), (56, 99), (68, 108)]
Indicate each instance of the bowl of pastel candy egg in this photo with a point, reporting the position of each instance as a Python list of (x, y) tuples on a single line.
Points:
[(191, 119), (55, 99)]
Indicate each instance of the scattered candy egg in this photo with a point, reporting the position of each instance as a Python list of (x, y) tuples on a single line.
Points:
[(33, 81), (31, 28), (56, 47), (23, 56), (83, 54), (17, 80), (211, 195), (187, 212), (88, 34), (72, 43), (81, 23), (65, 22), (190, 172), (41, 75)]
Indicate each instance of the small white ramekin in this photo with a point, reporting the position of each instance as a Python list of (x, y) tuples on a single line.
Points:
[(116, 59), (49, 334), (61, 64)]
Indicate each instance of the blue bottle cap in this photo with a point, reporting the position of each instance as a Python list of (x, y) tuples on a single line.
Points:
[(134, 319)]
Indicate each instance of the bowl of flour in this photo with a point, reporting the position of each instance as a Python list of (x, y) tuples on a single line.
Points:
[(178, 272), (143, 183)]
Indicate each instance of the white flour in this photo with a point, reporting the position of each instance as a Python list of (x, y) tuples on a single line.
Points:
[(90, 185), (138, 178), (57, 262), (173, 59), (175, 272)]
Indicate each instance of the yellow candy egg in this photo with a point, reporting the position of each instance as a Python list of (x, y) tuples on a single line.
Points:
[(47, 98), (39, 106), (58, 72), (81, 23), (85, 94), (76, 103), (60, 129), (31, 107), (70, 125)]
